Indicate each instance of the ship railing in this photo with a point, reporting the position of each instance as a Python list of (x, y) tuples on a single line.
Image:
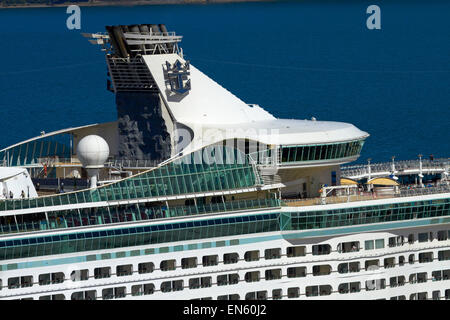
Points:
[(123, 163), (404, 165), (364, 196)]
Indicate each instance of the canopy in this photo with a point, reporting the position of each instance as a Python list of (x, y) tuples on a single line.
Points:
[(348, 181), (383, 182)]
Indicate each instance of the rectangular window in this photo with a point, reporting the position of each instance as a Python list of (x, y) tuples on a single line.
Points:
[(423, 237), (368, 244), (298, 251), (274, 253), (379, 244)]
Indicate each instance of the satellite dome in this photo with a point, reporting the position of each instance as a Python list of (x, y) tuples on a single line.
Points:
[(92, 151)]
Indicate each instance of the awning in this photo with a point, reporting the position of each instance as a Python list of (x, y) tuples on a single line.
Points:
[(383, 182), (348, 181)]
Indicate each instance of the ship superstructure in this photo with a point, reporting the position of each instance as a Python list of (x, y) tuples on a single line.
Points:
[(194, 194)]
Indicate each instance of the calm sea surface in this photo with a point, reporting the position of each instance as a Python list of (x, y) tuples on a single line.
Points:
[(296, 59)]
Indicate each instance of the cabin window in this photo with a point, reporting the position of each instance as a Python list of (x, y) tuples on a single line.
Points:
[(205, 282), (411, 238), (321, 270), (379, 244), (425, 257), (258, 295), (321, 249), (229, 297), (222, 280), (84, 295), (355, 287), (442, 235), (444, 255), (145, 267), (296, 272), (372, 264), (233, 278), (368, 244), (168, 265), (44, 279), (79, 275), (252, 276), (436, 295), (348, 267), (398, 298), (423, 237), (168, 286), (212, 260), (411, 259), (421, 277), (345, 247), (274, 253), (53, 297), (194, 283), (396, 241), (251, 256), (57, 277), (187, 263), (124, 270), (229, 258), (436, 275), (100, 273), (298, 251), (14, 283), (108, 293), (389, 262), (145, 289), (344, 288), (313, 291), (273, 274), (401, 261), (375, 284), (293, 292), (396, 281), (418, 296), (277, 294), (20, 282)]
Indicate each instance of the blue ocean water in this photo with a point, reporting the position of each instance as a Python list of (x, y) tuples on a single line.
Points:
[(296, 59)]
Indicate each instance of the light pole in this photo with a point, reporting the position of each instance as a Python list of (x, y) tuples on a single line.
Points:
[(393, 168), (420, 170)]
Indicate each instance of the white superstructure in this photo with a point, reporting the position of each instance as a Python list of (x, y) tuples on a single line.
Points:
[(203, 196)]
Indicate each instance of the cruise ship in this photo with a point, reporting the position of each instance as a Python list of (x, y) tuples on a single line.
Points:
[(195, 194)]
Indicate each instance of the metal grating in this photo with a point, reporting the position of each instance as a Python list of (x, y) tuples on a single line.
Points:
[(129, 75)]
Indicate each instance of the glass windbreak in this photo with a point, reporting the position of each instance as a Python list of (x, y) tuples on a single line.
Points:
[(55, 147), (214, 168)]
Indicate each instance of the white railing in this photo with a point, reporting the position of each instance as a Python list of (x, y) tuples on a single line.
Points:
[(439, 165), (122, 163)]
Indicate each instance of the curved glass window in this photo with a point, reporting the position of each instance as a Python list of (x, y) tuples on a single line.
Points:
[(321, 152)]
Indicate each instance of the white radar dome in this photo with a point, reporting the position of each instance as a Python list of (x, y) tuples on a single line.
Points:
[(92, 151)]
